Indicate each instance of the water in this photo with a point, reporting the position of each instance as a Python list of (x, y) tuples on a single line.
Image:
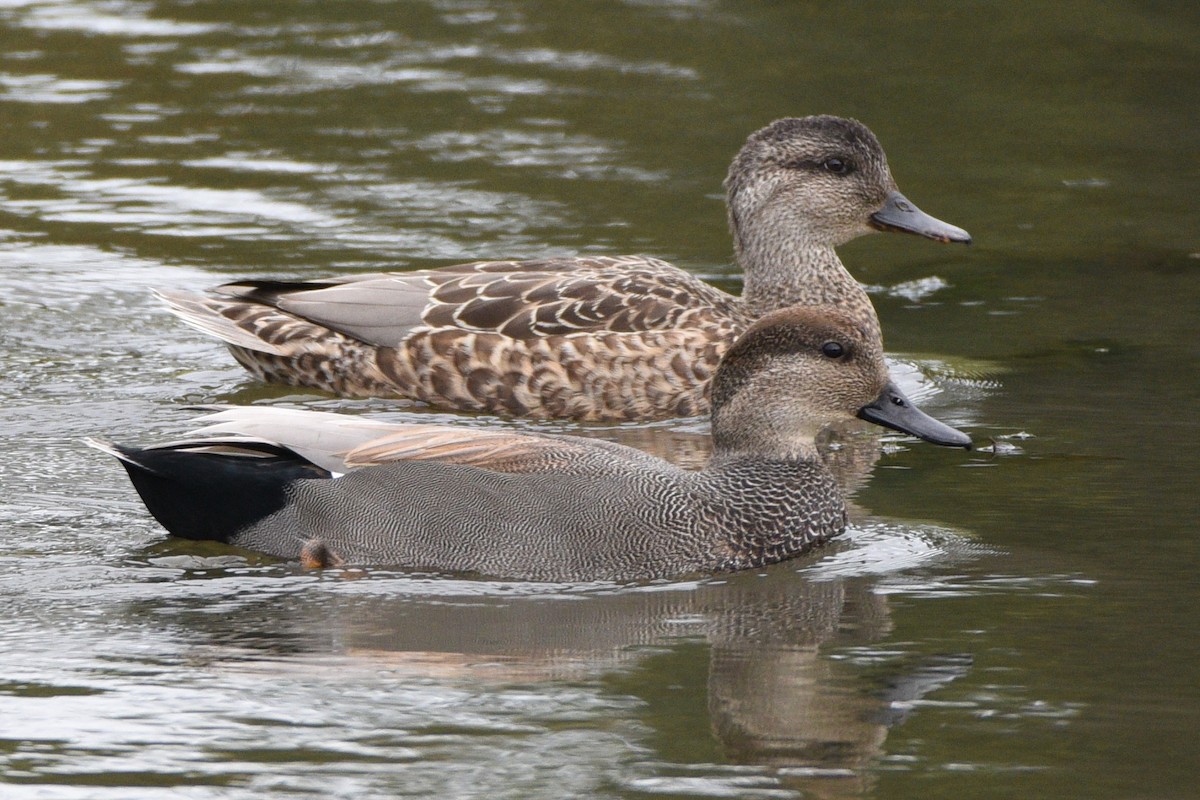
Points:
[(1014, 621)]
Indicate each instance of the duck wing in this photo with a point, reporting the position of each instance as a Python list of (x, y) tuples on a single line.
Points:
[(319, 437), (499, 450), (520, 300), (340, 443)]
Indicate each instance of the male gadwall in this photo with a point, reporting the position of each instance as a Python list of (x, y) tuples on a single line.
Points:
[(585, 338), (535, 506)]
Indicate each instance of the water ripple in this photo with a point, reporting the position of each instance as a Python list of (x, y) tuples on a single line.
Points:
[(53, 89), (105, 18), (567, 155)]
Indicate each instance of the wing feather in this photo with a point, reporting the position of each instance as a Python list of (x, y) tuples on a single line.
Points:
[(497, 450), (521, 299), (341, 442), (208, 315)]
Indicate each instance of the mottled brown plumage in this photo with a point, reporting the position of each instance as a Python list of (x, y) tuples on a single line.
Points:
[(585, 338)]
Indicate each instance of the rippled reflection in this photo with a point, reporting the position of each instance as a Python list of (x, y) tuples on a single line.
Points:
[(342, 670)]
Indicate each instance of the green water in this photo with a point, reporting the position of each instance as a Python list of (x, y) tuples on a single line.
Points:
[(1018, 623)]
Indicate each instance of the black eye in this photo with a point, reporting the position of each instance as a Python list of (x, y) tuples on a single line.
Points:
[(837, 166), (833, 349)]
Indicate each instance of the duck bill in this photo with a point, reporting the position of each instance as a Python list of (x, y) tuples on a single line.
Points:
[(899, 214), (893, 410)]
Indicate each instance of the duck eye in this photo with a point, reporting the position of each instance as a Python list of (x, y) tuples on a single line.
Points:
[(837, 166), (833, 349)]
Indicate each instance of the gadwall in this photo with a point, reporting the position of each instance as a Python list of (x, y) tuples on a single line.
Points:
[(532, 506), (585, 338)]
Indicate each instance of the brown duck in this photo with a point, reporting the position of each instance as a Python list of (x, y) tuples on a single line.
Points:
[(328, 489), (583, 338)]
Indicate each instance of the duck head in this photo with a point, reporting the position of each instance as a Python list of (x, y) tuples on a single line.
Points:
[(819, 181), (798, 370)]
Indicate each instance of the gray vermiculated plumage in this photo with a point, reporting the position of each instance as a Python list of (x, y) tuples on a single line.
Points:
[(586, 338), (638, 524), (557, 506)]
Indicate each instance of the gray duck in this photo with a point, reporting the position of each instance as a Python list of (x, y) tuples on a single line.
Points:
[(330, 489), (589, 337)]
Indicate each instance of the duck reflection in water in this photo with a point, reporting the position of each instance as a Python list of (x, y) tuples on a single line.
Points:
[(750, 669)]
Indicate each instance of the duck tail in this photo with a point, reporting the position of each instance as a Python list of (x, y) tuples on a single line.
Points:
[(211, 489), (219, 317)]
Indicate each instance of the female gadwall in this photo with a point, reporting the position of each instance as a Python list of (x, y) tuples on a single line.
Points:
[(587, 338), (540, 506)]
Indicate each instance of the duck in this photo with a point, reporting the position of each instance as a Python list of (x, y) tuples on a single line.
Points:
[(333, 490), (585, 338)]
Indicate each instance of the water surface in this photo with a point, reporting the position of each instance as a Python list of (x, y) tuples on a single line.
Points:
[(1015, 621)]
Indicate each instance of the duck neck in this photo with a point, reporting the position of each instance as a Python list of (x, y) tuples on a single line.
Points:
[(784, 508), (781, 273), (765, 445)]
